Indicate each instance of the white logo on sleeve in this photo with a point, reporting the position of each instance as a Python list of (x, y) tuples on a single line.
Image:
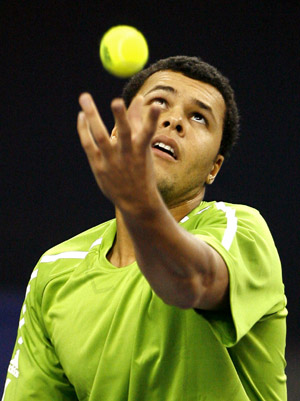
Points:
[(14, 365), (5, 387)]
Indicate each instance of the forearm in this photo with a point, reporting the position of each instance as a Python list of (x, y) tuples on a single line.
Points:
[(182, 270)]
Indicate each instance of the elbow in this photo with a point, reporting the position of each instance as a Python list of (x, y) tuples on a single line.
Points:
[(189, 293)]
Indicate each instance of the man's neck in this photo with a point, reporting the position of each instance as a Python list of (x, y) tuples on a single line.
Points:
[(122, 252)]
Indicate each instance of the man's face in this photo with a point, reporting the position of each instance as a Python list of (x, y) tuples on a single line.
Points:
[(188, 136)]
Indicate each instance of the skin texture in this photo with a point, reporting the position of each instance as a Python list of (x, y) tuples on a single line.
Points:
[(152, 191)]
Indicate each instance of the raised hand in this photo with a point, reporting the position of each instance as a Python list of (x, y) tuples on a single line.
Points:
[(121, 163)]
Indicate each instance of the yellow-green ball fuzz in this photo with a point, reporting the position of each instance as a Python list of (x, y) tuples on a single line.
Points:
[(123, 51)]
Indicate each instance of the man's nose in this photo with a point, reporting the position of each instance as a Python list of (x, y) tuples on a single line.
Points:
[(174, 122)]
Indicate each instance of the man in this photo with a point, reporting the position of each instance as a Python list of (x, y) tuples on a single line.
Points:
[(176, 298)]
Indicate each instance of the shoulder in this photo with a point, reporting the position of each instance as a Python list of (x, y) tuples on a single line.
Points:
[(229, 224), (80, 243), (247, 219), (219, 212), (62, 259)]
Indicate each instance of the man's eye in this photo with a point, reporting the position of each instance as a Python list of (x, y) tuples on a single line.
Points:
[(160, 101), (199, 118)]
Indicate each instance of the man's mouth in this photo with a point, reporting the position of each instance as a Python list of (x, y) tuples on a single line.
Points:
[(165, 148)]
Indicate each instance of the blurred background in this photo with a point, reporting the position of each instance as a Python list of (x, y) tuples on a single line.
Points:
[(49, 55)]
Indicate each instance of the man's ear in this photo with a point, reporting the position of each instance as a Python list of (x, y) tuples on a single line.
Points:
[(215, 169)]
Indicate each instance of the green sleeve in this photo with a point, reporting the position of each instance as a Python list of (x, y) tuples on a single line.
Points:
[(242, 238), (34, 371)]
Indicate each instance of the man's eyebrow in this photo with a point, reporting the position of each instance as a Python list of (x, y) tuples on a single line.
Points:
[(202, 105), (162, 87)]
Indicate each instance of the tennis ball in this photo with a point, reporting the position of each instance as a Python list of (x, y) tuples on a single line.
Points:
[(123, 51)]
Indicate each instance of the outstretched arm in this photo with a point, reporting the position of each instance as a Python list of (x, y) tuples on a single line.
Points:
[(182, 270)]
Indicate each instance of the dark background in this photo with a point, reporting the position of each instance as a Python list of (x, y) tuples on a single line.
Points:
[(49, 55)]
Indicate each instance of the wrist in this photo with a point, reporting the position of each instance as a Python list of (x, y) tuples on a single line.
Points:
[(143, 205)]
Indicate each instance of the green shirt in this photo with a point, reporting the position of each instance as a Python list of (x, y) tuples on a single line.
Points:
[(90, 331)]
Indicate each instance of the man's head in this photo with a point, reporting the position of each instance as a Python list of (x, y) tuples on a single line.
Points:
[(195, 68)]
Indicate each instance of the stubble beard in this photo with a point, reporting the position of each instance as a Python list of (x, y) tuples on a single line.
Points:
[(174, 192), (167, 191)]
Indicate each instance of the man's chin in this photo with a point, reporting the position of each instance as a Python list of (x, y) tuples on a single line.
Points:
[(167, 190)]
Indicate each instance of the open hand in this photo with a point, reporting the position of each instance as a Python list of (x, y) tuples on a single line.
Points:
[(123, 163)]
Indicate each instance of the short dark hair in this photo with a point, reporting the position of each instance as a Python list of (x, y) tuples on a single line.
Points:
[(195, 68)]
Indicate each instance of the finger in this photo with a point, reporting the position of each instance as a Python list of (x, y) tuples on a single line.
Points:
[(122, 125), (86, 138), (97, 127), (149, 126), (135, 114)]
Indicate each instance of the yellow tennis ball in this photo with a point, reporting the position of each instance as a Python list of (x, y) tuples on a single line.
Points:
[(123, 51)]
